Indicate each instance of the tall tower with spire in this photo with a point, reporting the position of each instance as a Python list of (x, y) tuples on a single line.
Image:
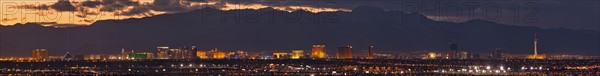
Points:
[(535, 49), (370, 52)]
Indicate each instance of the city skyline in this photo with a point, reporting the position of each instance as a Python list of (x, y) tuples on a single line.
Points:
[(318, 51), (300, 37), (340, 52), (453, 47), (345, 52), (332, 52)]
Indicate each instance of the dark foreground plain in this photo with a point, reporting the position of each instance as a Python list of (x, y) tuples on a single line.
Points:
[(228, 67)]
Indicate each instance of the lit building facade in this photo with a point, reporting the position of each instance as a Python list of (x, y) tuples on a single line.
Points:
[(344, 52), (297, 54), (176, 54), (370, 54), (464, 55), (216, 54), (138, 56), (280, 55), (188, 52), (219, 55), (40, 54), (455, 53), (318, 51), (191, 52), (431, 55), (124, 55), (241, 54), (162, 52), (201, 54), (149, 55), (93, 57)]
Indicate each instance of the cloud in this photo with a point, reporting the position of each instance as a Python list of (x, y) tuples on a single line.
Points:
[(92, 4), (171, 6), (137, 11), (89, 11), (63, 6)]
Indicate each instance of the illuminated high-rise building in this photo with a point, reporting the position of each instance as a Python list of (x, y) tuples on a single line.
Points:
[(39, 54), (188, 52), (535, 49), (297, 54), (124, 55), (176, 54), (201, 54), (370, 54), (318, 51), (344, 52), (454, 49), (463, 55), (192, 52), (216, 54), (162, 52)]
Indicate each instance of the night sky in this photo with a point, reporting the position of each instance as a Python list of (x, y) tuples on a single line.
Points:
[(107, 26)]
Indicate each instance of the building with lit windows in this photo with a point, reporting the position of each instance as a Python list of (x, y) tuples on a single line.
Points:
[(456, 54), (280, 55), (464, 55), (318, 51), (176, 54), (39, 54), (149, 55), (216, 54), (124, 55), (138, 56), (297, 54), (190, 52), (344, 52), (162, 52), (201, 54)]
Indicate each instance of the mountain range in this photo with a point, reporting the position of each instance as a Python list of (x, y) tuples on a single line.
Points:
[(273, 30)]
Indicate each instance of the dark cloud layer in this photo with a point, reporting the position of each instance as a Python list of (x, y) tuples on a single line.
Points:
[(577, 14), (63, 6)]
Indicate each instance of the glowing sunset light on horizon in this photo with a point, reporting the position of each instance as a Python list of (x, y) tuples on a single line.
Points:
[(58, 13)]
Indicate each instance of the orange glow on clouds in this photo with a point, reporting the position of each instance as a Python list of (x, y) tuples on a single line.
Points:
[(41, 12)]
